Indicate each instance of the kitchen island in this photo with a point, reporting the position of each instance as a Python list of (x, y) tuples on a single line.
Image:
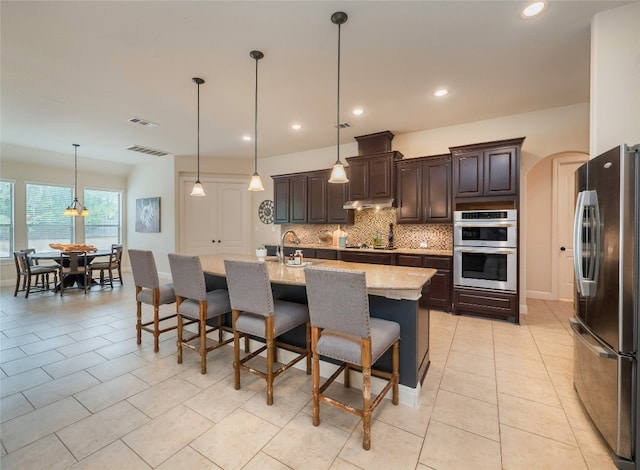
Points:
[(393, 295)]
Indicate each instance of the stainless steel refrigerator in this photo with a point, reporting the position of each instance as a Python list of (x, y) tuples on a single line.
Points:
[(606, 324)]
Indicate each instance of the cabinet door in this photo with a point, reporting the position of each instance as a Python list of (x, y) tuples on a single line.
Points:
[(409, 260), (358, 179), (441, 290), (371, 258), (281, 200), (337, 195), (381, 177), (500, 172), (467, 175), (317, 197), (409, 193), (437, 191), (298, 199)]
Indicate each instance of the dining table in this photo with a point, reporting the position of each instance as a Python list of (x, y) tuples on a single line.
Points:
[(55, 255)]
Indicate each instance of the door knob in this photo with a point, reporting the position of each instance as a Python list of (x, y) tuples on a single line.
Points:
[(562, 248)]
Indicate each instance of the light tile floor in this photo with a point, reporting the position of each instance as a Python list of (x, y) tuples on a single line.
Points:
[(77, 392)]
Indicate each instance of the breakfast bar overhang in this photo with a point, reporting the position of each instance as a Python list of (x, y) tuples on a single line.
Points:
[(393, 295)]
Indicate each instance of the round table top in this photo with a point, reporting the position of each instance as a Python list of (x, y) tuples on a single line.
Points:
[(56, 254)]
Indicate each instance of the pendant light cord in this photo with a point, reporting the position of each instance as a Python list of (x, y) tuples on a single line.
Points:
[(75, 184), (198, 178), (255, 126), (338, 102)]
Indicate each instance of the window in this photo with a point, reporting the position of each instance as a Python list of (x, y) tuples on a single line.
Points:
[(46, 222), (6, 219), (102, 227)]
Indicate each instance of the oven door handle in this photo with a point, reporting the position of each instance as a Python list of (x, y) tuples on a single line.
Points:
[(484, 223), (500, 251)]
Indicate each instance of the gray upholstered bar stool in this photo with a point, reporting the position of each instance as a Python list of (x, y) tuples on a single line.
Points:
[(341, 329), (150, 292), (197, 305), (256, 313)]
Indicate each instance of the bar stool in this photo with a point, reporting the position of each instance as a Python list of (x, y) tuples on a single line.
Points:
[(342, 329), (194, 303), (256, 313), (149, 291)]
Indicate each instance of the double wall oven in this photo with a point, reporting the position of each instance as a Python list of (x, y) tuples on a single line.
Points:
[(485, 249)]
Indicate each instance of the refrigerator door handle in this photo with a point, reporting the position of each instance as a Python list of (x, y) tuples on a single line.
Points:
[(577, 242), (586, 282), (595, 348)]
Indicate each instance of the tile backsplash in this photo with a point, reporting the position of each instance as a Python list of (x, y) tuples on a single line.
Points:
[(368, 222)]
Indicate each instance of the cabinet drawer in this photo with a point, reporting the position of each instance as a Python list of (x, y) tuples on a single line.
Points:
[(494, 304), (326, 254), (409, 260), (437, 262), (373, 258)]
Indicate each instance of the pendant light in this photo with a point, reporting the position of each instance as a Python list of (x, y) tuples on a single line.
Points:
[(338, 175), (75, 208), (198, 190), (256, 182)]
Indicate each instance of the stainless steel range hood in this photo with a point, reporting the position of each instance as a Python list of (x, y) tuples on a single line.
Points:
[(378, 203)]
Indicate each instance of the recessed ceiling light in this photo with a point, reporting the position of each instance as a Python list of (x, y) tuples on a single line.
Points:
[(246, 138), (358, 111), (533, 10), (296, 127), (441, 92)]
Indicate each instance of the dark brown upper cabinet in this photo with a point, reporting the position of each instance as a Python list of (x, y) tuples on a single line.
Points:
[(309, 198), (423, 190), (372, 176), (487, 169), (290, 199)]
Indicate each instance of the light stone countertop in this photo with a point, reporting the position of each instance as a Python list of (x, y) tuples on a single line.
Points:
[(407, 251), (393, 282)]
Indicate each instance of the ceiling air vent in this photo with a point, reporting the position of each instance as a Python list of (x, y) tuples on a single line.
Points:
[(143, 122), (342, 125), (148, 151)]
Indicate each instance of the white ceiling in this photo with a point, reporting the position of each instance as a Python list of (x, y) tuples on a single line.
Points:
[(75, 72)]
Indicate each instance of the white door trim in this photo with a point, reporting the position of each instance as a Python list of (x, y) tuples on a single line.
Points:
[(564, 158)]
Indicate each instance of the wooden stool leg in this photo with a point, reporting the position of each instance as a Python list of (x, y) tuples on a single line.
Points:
[(269, 327), (179, 340), (396, 375), (236, 348), (366, 393), (315, 394), (308, 345), (138, 317), (203, 337)]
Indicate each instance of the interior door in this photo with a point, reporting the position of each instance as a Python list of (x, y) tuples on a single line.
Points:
[(564, 188), (217, 222)]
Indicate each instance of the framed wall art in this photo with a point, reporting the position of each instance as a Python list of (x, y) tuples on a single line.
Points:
[(148, 215)]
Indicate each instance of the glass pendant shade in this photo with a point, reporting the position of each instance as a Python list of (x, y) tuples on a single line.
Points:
[(256, 183), (338, 174), (76, 209), (197, 189)]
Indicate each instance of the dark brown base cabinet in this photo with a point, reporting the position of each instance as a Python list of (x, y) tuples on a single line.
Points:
[(500, 305), (371, 258), (438, 294)]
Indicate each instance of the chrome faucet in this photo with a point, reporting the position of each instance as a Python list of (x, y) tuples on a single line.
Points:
[(296, 240)]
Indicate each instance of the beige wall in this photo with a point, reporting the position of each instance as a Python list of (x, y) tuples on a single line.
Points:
[(615, 78)]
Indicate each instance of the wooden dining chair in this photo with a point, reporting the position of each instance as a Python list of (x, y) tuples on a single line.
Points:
[(195, 305), (341, 329), (111, 266), (149, 291), (29, 274), (256, 313), (74, 269)]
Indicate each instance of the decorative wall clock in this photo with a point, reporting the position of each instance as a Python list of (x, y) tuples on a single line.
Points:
[(265, 211)]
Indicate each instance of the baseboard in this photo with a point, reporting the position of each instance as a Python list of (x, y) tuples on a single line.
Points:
[(540, 294)]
